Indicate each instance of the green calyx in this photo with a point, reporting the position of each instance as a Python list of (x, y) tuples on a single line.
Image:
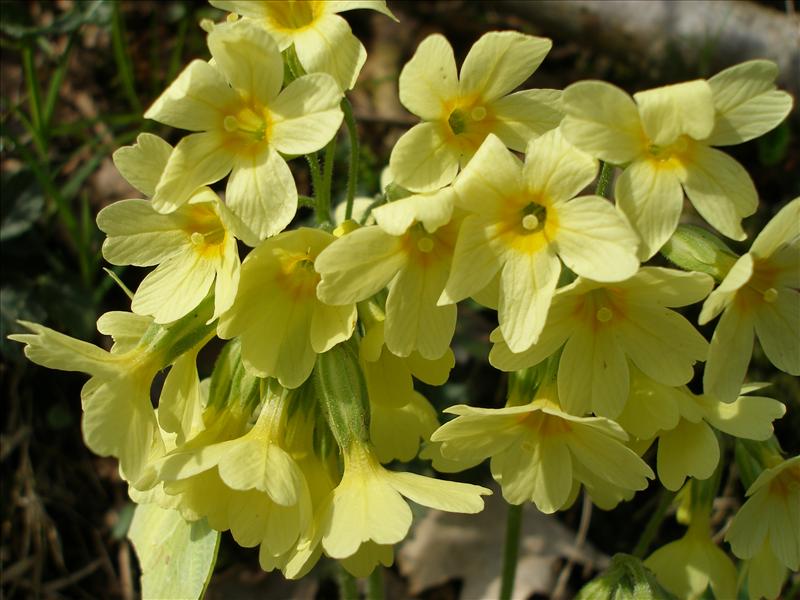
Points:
[(694, 249)]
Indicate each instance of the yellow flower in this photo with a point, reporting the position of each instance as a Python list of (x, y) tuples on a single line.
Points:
[(244, 121), (689, 565), (191, 246), (682, 423), (276, 313), (399, 416), (410, 250), (665, 138), (602, 326), (248, 483), (459, 112), (523, 221), (368, 506), (322, 39), (759, 294), (118, 418), (766, 530), (540, 453)]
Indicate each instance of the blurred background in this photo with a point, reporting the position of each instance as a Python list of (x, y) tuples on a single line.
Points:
[(76, 78)]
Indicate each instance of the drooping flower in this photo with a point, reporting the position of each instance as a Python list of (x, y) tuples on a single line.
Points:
[(539, 453), (766, 530), (244, 481), (191, 246), (410, 250), (683, 423), (525, 222), (276, 313), (243, 121), (759, 296), (118, 418), (322, 39), (459, 112), (368, 506), (602, 326), (665, 136), (689, 565), (399, 416)]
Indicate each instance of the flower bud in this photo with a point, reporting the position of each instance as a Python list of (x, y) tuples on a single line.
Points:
[(695, 249), (626, 579), (342, 393)]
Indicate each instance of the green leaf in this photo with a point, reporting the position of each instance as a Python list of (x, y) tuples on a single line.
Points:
[(22, 204), (176, 557)]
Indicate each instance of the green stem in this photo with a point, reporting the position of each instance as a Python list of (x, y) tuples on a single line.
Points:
[(316, 174), (352, 173), (34, 98), (324, 197), (122, 58), (604, 181), (375, 584), (511, 551), (651, 529), (347, 584)]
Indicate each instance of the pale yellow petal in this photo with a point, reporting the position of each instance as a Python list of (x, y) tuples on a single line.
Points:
[(652, 199), (667, 287), (261, 196), (555, 170), (248, 57), (527, 285), (429, 79), (367, 558), (306, 114), (557, 329), (477, 258), (689, 450), (602, 120), (720, 189), (492, 177), (728, 355), (747, 103), (328, 46), (228, 269), (142, 163), (413, 319), (175, 287), (674, 110), (196, 100), (720, 298), (765, 575), (358, 265), (432, 210), (180, 408), (331, 325), (783, 228), (608, 457), (650, 408), (499, 62), (595, 241), (450, 496), (662, 343), (423, 159), (524, 115), (778, 329), (749, 528), (198, 159), (747, 417), (593, 374), (138, 234)]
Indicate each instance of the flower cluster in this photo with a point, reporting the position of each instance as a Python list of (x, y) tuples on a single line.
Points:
[(327, 329)]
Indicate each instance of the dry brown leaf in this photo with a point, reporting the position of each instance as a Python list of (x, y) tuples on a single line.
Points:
[(448, 546)]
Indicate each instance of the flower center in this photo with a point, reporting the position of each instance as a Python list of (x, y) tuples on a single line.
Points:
[(665, 153), (604, 314), (248, 123), (457, 121), (770, 295), (425, 244), (534, 217), (292, 15)]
